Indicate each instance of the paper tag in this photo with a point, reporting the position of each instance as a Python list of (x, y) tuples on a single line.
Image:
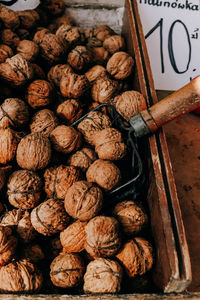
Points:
[(172, 32), (20, 4)]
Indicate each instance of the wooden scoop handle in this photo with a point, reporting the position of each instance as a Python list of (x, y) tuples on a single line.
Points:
[(178, 103)]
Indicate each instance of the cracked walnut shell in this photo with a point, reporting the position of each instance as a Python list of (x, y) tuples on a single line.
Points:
[(34, 152), (66, 270), (24, 189), (73, 237), (69, 111), (103, 276), (49, 217), (83, 200), (8, 243), (131, 216), (136, 256), (20, 276), (102, 237), (57, 180), (8, 145), (74, 85), (95, 121), (120, 65), (109, 144), (65, 139), (105, 173), (44, 121), (82, 158)]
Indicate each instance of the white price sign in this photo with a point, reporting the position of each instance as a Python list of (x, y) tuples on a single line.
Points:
[(20, 4), (172, 32)]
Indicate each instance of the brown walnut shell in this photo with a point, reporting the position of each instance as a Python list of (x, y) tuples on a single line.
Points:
[(28, 49), (83, 200), (71, 34), (63, 20), (24, 189), (21, 220), (13, 112), (102, 237), (38, 72), (58, 180), (39, 93), (69, 111), (131, 216), (8, 243), (95, 121), (74, 85), (100, 55), (54, 7), (23, 34), (20, 276), (93, 42), (114, 43), (104, 89), (65, 139), (49, 217), (95, 72), (105, 173), (40, 34), (66, 270), (5, 52), (8, 145), (129, 104), (136, 256), (44, 121), (120, 65), (82, 158), (55, 247), (34, 152), (109, 144), (34, 253), (103, 276), (16, 71), (102, 32), (4, 172), (79, 58), (10, 38), (28, 18), (56, 72), (73, 237), (9, 18)]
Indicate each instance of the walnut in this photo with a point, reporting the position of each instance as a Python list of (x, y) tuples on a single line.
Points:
[(71, 34), (13, 112), (49, 217), (34, 152), (104, 89), (63, 20), (102, 237), (28, 18), (8, 145), (54, 7), (5, 52), (93, 42), (57, 180), (9, 18), (114, 43), (8, 243), (74, 85), (55, 247), (83, 200), (38, 72), (65, 139), (92, 123), (69, 111), (109, 144), (103, 276), (10, 38), (23, 34), (95, 72), (102, 32), (44, 121), (56, 72), (131, 216), (16, 71), (28, 49), (129, 104), (66, 270), (79, 58), (120, 65), (39, 93), (24, 189), (4, 172), (105, 173), (20, 219), (136, 256), (73, 237), (82, 158), (34, 253), (20, 276), (40, 34), (100, 55)]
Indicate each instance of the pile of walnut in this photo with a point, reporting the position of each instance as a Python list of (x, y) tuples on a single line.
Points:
[(53, 176)]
